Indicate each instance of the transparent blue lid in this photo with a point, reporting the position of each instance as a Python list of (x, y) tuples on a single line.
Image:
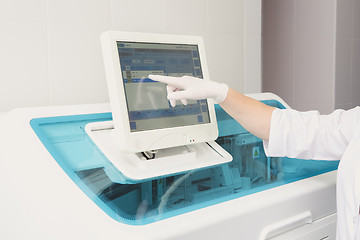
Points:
[(138, 203)]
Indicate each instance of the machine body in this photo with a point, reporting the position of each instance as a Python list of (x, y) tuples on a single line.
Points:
[(57, 184)]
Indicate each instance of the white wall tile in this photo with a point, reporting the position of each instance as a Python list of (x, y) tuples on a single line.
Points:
[(23, 61), (314, 70), (252, 64), (138, 15), (354, 104), (356, 71), (322, 108), (299, 52), (226, 16), (278, 67), (344, 19), (345, 106), (253, 17), (76, 66), (225, 59), (79, 12), (356, 19), (343, 83), (315, 18), (30, 11), (278, 48), (64, 63), (278, 19), (185, 17), (316, 63)]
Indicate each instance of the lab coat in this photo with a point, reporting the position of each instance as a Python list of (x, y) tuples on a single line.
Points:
[(309, 135)]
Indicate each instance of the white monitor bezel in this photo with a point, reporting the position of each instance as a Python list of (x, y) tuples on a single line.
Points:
[(159, 138)]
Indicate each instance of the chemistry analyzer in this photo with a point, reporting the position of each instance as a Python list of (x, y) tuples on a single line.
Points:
[(125, 171), (57, 185)]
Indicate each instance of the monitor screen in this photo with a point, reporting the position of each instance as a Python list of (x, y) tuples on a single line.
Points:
[(147, 104)]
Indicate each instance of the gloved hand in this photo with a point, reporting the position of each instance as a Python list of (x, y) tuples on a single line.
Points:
[(187, 87)]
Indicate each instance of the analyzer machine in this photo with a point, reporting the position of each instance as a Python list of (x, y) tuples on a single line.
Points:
[(139, 168)]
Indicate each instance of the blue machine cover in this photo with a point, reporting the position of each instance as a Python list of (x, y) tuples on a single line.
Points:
[(138, 203)]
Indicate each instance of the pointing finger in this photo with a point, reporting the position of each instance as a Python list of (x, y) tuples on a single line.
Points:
[(173, 81), (184, 101), (173, 103)]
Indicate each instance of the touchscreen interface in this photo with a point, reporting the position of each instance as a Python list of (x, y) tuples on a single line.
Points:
[(148, 107)]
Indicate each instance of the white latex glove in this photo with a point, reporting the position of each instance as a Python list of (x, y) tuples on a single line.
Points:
[(187, 87)]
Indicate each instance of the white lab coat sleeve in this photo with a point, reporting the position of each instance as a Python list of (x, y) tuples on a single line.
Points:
[(309, 135)]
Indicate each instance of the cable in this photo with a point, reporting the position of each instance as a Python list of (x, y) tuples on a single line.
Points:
[(167, 194), (149, 154)]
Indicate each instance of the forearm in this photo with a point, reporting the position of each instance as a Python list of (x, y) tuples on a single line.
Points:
[(250, 113)]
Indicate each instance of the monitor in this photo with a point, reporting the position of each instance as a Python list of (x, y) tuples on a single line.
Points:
[(143, 118)]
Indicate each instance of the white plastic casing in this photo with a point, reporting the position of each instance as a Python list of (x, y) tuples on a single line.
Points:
[(159, 138), (39, 198), (168, 161)]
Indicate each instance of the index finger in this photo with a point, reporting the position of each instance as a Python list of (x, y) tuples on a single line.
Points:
[(173, 81)]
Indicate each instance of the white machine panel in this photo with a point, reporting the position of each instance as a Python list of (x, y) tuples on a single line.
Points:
[(52, 189)]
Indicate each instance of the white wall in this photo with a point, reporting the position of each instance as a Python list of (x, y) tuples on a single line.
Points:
[(299, 52), (311, 53), (347, 84), (50, 50)]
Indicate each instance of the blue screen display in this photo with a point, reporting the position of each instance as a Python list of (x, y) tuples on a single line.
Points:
[(148, 107)]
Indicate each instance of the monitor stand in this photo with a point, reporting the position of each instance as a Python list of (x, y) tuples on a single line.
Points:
[(167, 161)]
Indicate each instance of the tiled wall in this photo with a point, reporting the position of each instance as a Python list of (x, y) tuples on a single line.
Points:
[(311, 52), (299, 52), (347, 84), (50, 50)]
